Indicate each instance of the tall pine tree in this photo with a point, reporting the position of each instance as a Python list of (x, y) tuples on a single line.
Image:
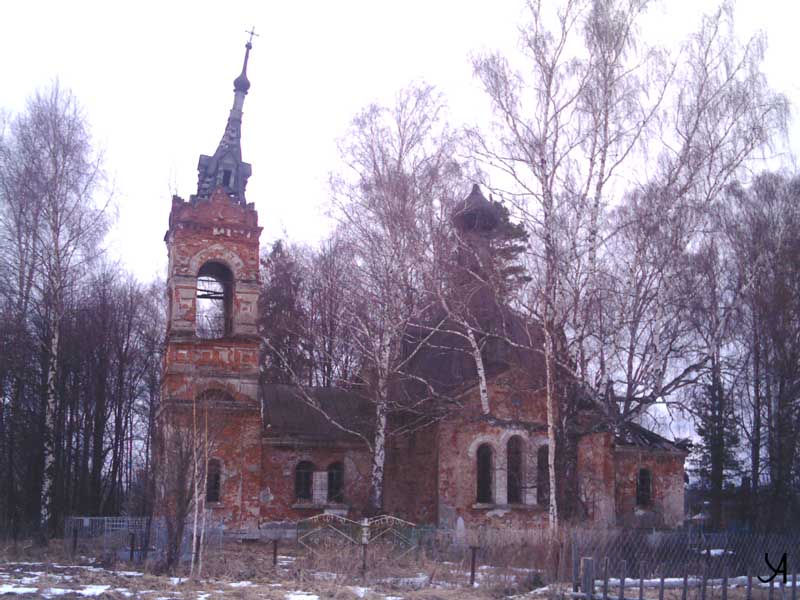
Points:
[(282, 319)]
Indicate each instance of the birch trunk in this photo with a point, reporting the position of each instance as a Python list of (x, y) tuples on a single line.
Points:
[(478, 357), (552, 424), (379, 446), (194, 486), (50, 424)]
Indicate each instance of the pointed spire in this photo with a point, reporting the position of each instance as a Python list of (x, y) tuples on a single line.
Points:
[(241, 83), (226, 168)]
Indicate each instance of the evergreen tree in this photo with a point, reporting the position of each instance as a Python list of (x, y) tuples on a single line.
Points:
[(715, 458), (282, 319)]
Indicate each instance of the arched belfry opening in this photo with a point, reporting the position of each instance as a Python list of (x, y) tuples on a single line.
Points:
[(214, 298)]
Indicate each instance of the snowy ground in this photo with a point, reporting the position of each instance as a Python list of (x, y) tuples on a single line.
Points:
[(67, 582)]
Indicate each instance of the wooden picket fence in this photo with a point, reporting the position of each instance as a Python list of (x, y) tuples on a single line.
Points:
[(586, 585)]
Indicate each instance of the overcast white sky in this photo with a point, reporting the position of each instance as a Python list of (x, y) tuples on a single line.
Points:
[(155, 79)]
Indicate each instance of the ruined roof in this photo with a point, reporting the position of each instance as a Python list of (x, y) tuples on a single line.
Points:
[(632, 435), (442, 356), (290, 412)]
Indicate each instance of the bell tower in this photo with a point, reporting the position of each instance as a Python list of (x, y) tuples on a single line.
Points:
[(209, 390)]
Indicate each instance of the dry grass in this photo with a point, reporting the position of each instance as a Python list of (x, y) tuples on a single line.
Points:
[(333, 572)]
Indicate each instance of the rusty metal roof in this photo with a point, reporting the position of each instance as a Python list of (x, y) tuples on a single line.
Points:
[(632, 435), (316, 413)]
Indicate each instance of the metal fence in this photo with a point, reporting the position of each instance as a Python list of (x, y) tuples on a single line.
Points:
[(130, 538), (619, 553), (676, 553)]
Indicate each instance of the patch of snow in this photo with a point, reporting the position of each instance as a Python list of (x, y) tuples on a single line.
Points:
[(93, 590), (177, 580), (359, 591), (241, 584), (12, 588), (301, 596), (50, 592), (128, 573)]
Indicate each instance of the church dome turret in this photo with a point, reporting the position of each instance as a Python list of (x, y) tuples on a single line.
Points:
[(242, 83), (475, 212)]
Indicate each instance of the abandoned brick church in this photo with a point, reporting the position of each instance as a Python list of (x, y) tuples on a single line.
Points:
[(275, 458)]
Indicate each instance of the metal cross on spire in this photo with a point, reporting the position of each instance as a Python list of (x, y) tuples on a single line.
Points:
[(252, 33)]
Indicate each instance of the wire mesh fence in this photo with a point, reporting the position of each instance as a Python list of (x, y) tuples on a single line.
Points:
[(676, 553), (393, 548), (130, 538)]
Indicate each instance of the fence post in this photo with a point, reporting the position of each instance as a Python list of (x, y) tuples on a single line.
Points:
[(703, 586), (725, 585), (749, 593), (641, 582), (133, 545), (605, 578), (364, 542), (74, 539), (575, 562), (588, 577), (661, 587), (771, 588), (474, 550), (794, 585), (275, 552), (685, 590), (622, 581)]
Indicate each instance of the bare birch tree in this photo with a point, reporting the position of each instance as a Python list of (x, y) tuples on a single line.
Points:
[(596, 103), (401, 167), (50, 176)]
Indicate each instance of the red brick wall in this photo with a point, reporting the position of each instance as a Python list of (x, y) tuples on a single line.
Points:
[(227, 232), (667, 473), (410, 490), (596, 478), (278, 502), (459, 437)]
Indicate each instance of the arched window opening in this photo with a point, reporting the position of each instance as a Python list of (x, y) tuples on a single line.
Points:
[(543, 476), (644, 488), (226, 177), (303, 480), (211, 396), (485, 466), (336, 482), (214, 301), (514, 470), (213, 480)]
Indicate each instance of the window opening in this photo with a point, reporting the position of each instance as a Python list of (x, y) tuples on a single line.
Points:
[(226, 177), (644, 488), (213, 480), (303, 480), (213, 310), (543, 476), (514, 470), (336, 482), (484, 460)]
